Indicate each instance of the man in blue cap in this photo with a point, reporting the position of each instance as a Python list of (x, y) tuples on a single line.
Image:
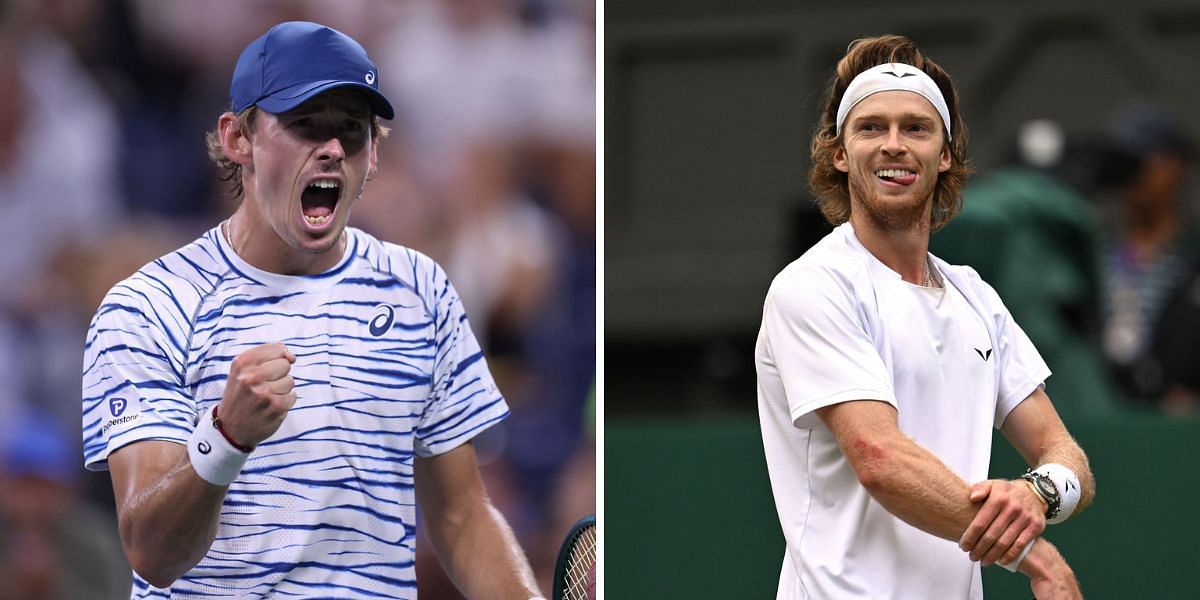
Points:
[(274, 399)]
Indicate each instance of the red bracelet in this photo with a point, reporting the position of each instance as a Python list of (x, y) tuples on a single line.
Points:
[(217, 426)]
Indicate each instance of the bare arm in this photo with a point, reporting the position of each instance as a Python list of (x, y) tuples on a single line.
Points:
[(1049, 574), (915, 486), (473, 541), (166, 512), (1038, 434), (908, 480), (1036, 431)]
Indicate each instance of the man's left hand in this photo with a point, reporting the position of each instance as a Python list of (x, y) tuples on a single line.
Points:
[(1012, 515)]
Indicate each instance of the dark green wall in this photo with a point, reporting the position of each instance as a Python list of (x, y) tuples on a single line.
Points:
[(689, 514)]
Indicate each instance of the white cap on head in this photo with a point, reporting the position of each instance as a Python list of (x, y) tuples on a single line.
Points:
[(890, 77)]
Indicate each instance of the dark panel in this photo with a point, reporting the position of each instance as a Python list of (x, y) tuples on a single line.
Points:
[(711, 146)]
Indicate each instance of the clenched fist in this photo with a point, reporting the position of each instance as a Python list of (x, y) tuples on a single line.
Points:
[(258, 394)]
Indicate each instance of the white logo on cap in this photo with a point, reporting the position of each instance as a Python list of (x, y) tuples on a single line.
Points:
[(370, 78)]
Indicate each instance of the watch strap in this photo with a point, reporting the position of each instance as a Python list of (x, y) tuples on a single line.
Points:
[(1069, 489)]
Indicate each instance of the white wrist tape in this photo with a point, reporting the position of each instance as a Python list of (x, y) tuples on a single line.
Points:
[(1068, 489), (213, 458), (1012, 566)]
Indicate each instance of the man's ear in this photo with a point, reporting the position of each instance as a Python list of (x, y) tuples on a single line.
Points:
[(234, 142), (373, 162), (946, 160), (839, 159)]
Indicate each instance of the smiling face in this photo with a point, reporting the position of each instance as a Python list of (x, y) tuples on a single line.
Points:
[(893, 149), (302, 171)]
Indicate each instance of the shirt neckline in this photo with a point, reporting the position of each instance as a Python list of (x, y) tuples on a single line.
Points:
[(286, 283)]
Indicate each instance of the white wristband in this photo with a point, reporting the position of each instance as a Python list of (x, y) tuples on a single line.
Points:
[(213, 458), (1012, 566), (1068, 489)]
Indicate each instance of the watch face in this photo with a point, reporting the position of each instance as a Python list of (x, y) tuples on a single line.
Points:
[(1047, 487)]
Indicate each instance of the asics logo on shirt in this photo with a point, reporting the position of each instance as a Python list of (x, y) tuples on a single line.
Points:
[(383, 319), (984, 354)]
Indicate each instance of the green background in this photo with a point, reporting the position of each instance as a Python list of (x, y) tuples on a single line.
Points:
[(689, 512)]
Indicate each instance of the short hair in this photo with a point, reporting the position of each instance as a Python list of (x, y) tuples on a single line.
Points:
[(244, 122), (830, 185)]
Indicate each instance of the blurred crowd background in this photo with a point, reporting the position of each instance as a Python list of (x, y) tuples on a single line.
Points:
[(490, 169)]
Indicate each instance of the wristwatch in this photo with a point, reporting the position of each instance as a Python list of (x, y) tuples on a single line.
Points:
[(1045, 488)]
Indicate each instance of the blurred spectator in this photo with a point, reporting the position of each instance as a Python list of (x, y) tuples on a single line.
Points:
[(58, 135), (57, 168), (1149, 252), (1029, 230), (11, 391), (462, 75), (53, 545)]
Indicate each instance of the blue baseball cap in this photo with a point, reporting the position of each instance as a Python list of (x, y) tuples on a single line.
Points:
[(297, 60)]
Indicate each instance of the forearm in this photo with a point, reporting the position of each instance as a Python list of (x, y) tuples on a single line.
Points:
[(1036, 431), (481, 555), (1045, 562), (915, 486), (168, 524)]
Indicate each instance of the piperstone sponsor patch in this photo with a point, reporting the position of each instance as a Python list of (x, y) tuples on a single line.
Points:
[(117, 407)]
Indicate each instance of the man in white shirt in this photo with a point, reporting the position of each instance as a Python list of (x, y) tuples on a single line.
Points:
[(882, 369)]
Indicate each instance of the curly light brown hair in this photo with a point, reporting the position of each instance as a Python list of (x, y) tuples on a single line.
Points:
[(244, 122), (830, 185)]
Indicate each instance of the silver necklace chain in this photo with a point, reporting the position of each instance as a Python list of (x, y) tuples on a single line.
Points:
[(928, 281)]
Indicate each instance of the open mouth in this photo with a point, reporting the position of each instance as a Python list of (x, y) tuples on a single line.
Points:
[(318, 200), (900, 176)]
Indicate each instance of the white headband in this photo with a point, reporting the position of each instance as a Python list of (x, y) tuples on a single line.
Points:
[(892, 77)]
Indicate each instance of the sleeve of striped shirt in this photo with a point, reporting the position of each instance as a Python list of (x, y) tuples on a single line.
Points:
[(133, 375), (464, 399)]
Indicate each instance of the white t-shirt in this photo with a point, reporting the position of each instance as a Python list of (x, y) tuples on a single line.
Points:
[(839, 325), (386, 370)]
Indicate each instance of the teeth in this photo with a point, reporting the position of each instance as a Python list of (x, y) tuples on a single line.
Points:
[(893, 173), (318, 220), (326, 184)]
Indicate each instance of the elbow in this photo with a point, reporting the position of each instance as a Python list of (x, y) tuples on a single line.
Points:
[(159, 566), (153, 569), (872, 477), (873, 464)]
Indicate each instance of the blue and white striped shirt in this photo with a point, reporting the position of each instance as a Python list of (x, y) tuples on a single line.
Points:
[(386, 369)]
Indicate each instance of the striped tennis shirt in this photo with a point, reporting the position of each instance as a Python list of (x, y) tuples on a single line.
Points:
[(386, 369)]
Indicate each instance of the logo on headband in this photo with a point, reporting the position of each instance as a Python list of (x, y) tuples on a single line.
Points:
[(901, 75)]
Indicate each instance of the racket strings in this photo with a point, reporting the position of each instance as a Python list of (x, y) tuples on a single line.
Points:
[(580, 562)]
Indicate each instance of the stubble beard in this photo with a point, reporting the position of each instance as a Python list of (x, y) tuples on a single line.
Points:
[(893, 214)]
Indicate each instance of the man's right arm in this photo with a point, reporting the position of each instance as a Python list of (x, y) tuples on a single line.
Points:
[(915, 486), (167, 513)]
